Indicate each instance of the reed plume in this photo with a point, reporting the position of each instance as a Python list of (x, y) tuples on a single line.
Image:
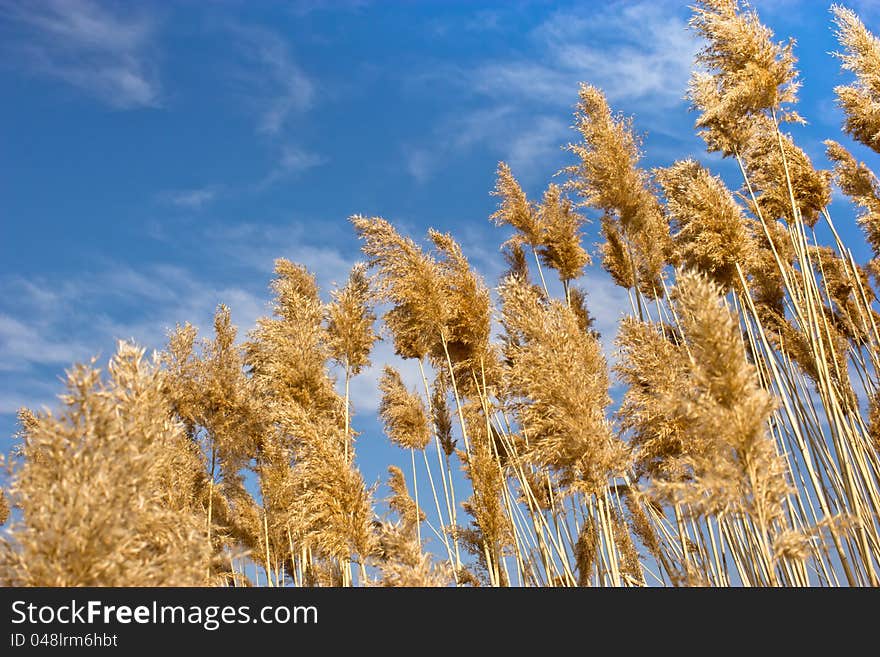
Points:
[(860, 184), (403, 412), (515, 209), (746, 74), (214, 399), (106, 488), (314, 496), (490, 535), (777, 178), (708, 418), (350, 334), (288, 353), (859, 100), (411, 281), (608, 178), (561, 245), (558, 379), (400, 558), (350, 318), (464, 347), (440, 415), (711, 234)]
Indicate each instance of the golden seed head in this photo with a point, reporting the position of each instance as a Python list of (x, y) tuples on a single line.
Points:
[(860, 100), (403, 412)]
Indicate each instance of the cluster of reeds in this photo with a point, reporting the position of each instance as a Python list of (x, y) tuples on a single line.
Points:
[(744, 449)]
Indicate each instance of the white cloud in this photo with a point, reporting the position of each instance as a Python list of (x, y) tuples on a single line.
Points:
[(256, 246), (23, 344), (537, 143), (297, 160), (57, 321), (639, 53), (193, 199), (634, 51), (107, 54), (273, 82), (419, 163), (453, 136), (292, 162), (530, 144)]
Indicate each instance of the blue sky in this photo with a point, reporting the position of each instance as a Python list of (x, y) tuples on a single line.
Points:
[(156, 157)]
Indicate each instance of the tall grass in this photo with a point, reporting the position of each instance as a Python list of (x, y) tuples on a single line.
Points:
[(742, 452)]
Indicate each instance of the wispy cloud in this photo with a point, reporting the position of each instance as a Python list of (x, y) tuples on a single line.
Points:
[(51, 321), (305, 7), (649, 60), (22, 344), (572, 46), (70, 321), (273, 81), (452, 136), (292, 162), (57, 320), (640, 53), (107, 54), (528, 142), (519, 107), (296, 160), (192, 199), (255, 246)]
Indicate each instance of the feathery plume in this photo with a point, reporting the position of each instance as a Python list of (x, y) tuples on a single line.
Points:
[(747, 74), (860, 184), (710, 230), (561, 244), (440, 414), (400, 501), (4, 508), (728, 462), (608, 179), (402, 412), (515, 257), (861, 99), (490, 535), (586, 550), (350, 318), (848, 311), (770, 175), (652, 365), (468, 329), (558, 380), (616, 258), (765, 278), (874, 420), (578, 303), (314, 496), (412, 282), (515, 210), (288, 353), (331, 507), (214, 399), (401, 560), (105, 487)]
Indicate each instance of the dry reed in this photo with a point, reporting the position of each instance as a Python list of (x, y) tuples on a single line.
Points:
[(743, 450)]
